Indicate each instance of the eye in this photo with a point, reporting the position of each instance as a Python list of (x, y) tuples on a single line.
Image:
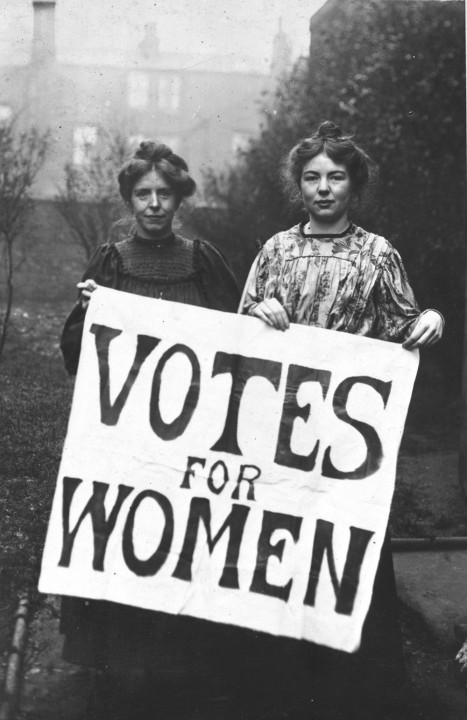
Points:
[(165, 193)]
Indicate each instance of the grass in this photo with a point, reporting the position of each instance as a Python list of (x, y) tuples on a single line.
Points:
[(34, 406), (428, 501), (439, 688)]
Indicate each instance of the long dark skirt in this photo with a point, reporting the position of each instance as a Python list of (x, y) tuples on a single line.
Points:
[(311, 681), (185, 668)]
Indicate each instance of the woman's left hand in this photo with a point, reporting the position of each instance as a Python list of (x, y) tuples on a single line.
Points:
[(86, 288), (427, 331)]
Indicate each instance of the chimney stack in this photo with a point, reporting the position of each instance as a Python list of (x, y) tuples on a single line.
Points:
[(281, 53), (43, 43), (149, 46)]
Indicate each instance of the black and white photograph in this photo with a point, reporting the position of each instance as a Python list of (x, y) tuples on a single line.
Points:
[(233, 360)]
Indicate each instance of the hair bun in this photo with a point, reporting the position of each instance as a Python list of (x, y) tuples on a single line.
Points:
[(329, 131), (178, 161), (149, 150), (146, 148)]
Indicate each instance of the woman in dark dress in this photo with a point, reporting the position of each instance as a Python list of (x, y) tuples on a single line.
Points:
[(153, 261), (327, 272), (150, 661)]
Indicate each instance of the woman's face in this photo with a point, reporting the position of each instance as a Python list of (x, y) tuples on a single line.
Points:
[(326, 189), (154, 204)]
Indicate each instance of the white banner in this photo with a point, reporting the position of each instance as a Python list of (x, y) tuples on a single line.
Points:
[(218, 468)]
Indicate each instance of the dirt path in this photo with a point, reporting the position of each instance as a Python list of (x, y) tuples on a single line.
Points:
[(52, 689), (56, 690)]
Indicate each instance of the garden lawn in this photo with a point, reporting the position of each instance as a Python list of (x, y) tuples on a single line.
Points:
[(35, 396)]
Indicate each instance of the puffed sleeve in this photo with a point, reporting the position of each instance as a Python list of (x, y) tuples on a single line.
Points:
[(255, 286), (102, 268), (396, 309), (218, 281)]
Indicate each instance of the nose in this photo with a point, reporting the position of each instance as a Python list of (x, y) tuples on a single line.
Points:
[(323, 187), (153, 199)]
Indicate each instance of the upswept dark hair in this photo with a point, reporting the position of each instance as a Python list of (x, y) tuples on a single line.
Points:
[(342, 149), (151, 155)]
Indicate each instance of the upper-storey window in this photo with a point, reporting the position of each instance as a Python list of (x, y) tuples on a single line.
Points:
[(84, 140), (169, 91), (138, 90), (239, 143), (5, 113)]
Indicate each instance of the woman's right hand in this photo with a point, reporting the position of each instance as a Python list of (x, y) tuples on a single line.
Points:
[(87, 287), (272, 313)]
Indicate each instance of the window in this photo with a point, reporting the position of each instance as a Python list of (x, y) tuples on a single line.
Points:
[(138, 90), (239, 143), (5, 113), (84, 139), (169, 88)]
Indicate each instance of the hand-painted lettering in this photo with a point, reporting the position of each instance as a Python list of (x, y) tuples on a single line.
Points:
[(273, 521), (346, 589), (172, 430), (153, 564), (200, 511), (104, 335), (291, 410), (374, 455), (101, 526), (242, 369)]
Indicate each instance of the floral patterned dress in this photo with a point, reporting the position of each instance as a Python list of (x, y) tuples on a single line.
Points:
[(354, 282)]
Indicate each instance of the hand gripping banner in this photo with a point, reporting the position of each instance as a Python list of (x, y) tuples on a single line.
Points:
[(218, 468)]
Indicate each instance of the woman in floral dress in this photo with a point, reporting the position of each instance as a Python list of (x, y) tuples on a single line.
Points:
[(326, 272)]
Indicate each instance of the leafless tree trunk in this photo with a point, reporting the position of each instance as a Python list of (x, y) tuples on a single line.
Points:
[(8, 302), (463, 437), (90, 203), (22, 154)]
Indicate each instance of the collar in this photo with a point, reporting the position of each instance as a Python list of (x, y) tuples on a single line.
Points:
[(322, 236), (156, 243)]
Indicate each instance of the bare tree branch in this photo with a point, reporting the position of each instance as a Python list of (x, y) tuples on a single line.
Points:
[(22, 154), (90, 202)]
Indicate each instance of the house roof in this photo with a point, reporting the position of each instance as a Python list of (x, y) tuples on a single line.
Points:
[(326, 10), (175, 61)]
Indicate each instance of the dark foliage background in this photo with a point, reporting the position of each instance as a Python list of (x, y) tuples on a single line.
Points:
[(393, 74)]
